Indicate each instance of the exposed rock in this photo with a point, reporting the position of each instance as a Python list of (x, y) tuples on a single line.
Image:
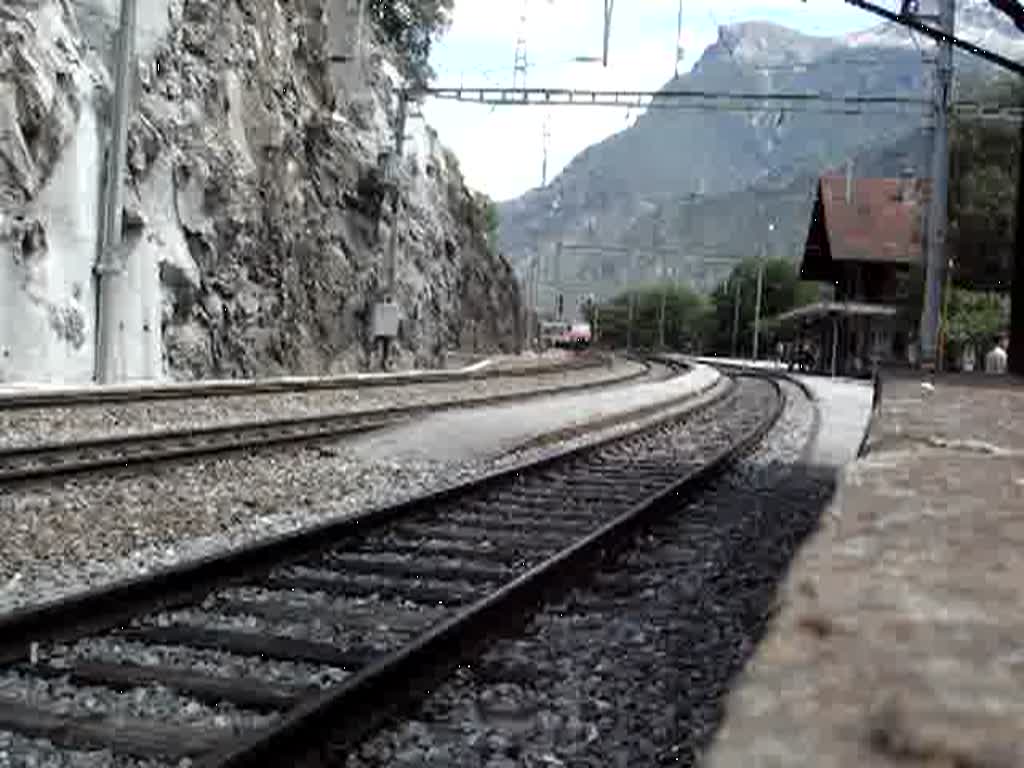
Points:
[(256, 214)]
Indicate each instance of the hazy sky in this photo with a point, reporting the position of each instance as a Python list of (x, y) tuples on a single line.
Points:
[(500, 149)]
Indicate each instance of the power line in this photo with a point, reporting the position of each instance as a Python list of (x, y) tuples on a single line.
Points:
[(705, 101), (633, 98), (940, 36)]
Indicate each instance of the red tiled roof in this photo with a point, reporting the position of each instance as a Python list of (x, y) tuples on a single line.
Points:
[(881, 222)]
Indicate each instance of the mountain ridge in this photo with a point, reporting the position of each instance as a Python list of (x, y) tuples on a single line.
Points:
[(621, 190)]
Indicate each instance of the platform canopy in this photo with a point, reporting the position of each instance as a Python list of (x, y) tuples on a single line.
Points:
[(812, 312)]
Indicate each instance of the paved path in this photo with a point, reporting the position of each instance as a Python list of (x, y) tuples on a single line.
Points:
[(900, 639), (845, 408), (844, 405), (484, 433)]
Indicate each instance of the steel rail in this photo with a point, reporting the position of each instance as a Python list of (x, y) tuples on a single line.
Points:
[(187, 390), (103, 610), (189, 584), (43, 461), (358, 706), (109, 606)]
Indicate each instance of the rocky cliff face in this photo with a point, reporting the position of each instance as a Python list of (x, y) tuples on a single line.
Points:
[(256, 214)]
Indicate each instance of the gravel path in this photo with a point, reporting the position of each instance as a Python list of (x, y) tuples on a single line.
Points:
[(86, 531), (631, 670), (26, 427)]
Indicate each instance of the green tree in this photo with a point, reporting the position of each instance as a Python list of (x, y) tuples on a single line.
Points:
[(782, 290), (412, 26), (685, 311), (983, 186), (975, 318)]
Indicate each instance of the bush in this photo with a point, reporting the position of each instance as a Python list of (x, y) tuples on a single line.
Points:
[(685, 318)]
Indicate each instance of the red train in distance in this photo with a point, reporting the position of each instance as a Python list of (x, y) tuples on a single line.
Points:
[(566, 335)]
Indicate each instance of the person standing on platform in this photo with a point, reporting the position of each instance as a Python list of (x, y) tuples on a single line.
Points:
[(995, 360)]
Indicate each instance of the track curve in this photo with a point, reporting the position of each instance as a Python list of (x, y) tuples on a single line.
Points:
[(258, 647), (119, 453)]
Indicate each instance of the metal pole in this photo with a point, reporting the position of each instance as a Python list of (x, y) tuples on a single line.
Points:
[(360, 21), (391, 255), (629, 322), (547, 142), (938, 209), (608, 5), (1015, 362), (525, 308), (679, 34), (736, 318), (110, 265), (390, 267), (757, 307), (944, 319), (536, 296), (661, 317), (664, 291), (835, 344)]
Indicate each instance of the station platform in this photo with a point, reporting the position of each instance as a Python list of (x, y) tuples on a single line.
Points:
[(489, 432), (844, 406), (899, 639)]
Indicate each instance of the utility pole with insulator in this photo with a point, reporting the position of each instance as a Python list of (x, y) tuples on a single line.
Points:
[(679, 39), (520, 64), (546, 138), (608, 7), (757, 307), (737, 297), (1015, 361), (938, 209), (664, 302), (110, 267), (629, 320), (1015, 11), (385, 315)]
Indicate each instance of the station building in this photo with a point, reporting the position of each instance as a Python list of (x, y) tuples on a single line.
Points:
[(863, 245)]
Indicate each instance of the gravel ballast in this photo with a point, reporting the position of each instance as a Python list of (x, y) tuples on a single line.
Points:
[(631, 670), (64, 538), (36, 425)]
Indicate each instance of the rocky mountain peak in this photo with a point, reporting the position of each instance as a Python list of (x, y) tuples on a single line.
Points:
[(765, 43)]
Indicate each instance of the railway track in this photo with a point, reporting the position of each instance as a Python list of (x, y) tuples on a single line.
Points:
[(120, 394), (253, 657), (45, 461)]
